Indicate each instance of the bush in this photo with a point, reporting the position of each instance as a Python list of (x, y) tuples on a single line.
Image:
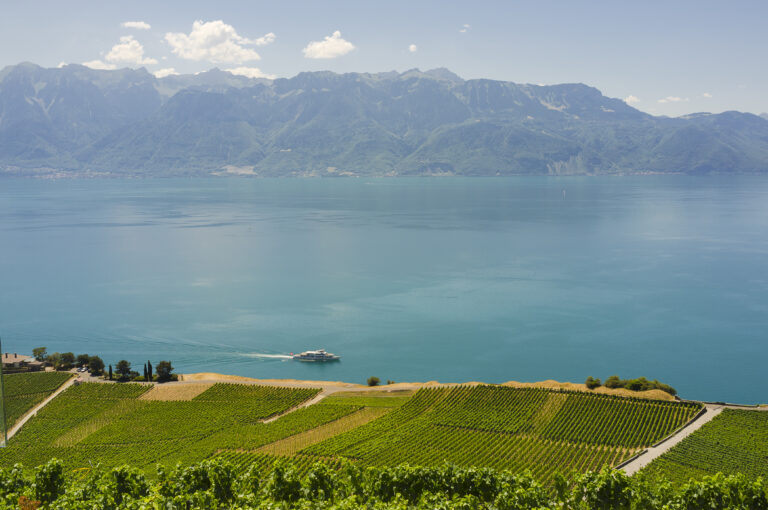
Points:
[(639, 384), (373, 381), (49, 481), (216, 484), (593, 383)]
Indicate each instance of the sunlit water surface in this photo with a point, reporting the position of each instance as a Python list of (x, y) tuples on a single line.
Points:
[(407, 279)]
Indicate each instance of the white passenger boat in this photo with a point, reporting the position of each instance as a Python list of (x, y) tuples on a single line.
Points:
[(318, 355)]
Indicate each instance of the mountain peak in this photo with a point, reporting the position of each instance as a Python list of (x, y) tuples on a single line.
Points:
[(440, 73), (127, 121)]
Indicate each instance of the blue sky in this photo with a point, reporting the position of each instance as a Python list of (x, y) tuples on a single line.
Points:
[(666, 58)]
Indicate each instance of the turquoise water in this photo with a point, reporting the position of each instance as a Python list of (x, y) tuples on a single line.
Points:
[(407, 279)]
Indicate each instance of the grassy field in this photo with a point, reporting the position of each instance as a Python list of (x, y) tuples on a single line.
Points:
[(24, 391), (736, 441), (501, 427)]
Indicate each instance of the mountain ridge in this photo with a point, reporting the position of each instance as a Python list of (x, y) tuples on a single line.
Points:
[(75, 120)]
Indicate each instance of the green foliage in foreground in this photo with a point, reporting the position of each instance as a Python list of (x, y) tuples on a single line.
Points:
[(216, 484), (736, 441), (24, 391)]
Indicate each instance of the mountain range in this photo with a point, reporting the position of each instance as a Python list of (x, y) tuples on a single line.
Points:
[(78, 121)]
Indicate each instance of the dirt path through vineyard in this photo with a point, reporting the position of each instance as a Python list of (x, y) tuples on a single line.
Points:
[(17, 426), (654, 452)]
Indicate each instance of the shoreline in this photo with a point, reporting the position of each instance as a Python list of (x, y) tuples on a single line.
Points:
[(334, 386)]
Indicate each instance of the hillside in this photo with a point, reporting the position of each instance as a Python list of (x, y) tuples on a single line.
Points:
[(206, 444), (736, 441), (479, 425), (79, 121), (21, 392)]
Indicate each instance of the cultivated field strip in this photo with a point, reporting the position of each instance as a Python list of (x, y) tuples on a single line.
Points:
[(539, 430), (293, 444), (735, 441), (110, 424), (23, 391), (509, 428), (171, 392), (608, 420)]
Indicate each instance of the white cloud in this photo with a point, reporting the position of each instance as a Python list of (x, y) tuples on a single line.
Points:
[(250, 72), (265, 39), (61, 64), (98, 64), (216, 42), (707, 95), (673, 99), (413, 48), (464, 28), (129, 51), (631, 100), (331, 47), (138, 25), (162, 73)]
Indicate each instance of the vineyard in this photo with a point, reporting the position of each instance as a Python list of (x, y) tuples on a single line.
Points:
[(24, 391), (510, 428), (491, 426), (107, 423), (735, 441)]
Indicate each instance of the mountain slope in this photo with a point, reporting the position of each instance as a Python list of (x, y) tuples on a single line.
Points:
[(127, 122)]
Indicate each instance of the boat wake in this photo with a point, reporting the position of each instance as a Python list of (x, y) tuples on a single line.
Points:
[(266, 356)]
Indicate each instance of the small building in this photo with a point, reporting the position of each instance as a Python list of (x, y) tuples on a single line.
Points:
[(15, 362)]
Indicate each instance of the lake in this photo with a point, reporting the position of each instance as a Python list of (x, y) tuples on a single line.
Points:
[(454, 279)]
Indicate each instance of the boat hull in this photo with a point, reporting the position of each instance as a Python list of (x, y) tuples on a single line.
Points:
[(305, 360)]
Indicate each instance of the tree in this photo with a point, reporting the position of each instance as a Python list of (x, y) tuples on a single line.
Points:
[(95, 365), (373, 381), (593, 383), (110, 372), (163, 370), (55, 360), (40, 353), (614, 382), (145, 372), (123, 369), (149, 370), (67, 360), (83, 360)]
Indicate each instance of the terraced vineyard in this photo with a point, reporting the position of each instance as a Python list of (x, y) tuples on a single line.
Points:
[(491, 426), (109, 424), (24, 391), (735, 441), (510, 428)]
